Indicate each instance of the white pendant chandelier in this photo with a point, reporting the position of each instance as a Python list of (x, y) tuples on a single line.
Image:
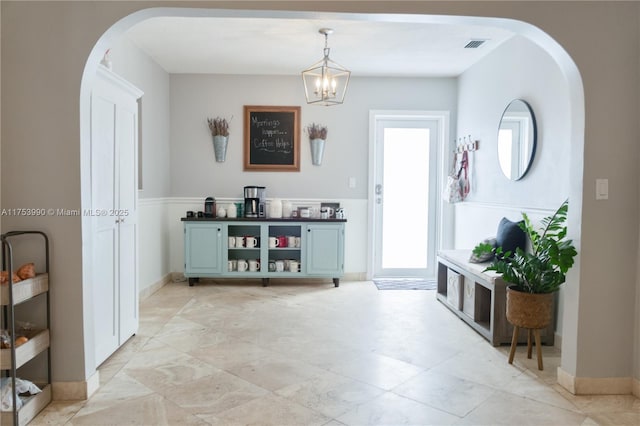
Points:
[(325, 82)]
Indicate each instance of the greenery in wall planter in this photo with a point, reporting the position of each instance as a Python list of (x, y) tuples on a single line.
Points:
[(219, 128), (317, 137)]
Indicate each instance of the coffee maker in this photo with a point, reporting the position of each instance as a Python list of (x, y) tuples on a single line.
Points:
[(254, 201)]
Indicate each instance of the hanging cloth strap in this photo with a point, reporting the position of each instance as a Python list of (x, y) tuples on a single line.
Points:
[(465, 187)]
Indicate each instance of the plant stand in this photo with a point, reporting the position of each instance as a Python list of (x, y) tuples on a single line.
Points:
[(514, 343), (530, 311)]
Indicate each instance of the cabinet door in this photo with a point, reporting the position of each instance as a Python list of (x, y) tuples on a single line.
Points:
[(325, 250), (202, 248)]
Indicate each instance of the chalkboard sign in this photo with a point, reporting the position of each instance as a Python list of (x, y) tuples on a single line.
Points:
[(272, 138)]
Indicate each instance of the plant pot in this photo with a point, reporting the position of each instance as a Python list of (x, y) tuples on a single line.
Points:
[(529, 310), (220, 147), (317, 150)]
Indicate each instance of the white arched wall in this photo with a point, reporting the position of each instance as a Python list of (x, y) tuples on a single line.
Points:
[(532, 33)]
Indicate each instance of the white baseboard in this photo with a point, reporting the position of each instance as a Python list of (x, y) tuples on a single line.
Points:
[(76, 391), (597, 385), (148, 291)]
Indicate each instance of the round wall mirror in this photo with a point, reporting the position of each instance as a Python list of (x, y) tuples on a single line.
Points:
[(516, 139)]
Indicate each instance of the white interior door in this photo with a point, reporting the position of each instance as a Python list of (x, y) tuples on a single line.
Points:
[(114, 173), (128, 223), (105, 229), (404, 193)]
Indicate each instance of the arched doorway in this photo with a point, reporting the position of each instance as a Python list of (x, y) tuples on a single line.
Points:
[(562, 59)]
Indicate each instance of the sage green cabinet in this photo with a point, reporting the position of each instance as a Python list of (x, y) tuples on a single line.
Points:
[(202, 249), (324, 248), (213, 248)]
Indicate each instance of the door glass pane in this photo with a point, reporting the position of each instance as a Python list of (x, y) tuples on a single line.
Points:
[(405, 212)]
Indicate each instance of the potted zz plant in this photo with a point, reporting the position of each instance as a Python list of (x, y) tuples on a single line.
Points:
[(317, 137), (536, 275), (219, 128)]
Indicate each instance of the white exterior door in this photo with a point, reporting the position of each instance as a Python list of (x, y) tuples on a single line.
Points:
[(404, 194), (114, 135)]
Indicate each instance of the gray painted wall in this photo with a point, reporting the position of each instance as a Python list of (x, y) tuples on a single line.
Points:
[(135, 66), (519, 69), (194, 171)]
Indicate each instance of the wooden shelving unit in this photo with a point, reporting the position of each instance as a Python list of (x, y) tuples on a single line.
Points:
[(484, 298)]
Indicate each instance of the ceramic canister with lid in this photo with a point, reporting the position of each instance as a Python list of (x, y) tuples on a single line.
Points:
[(286, 209), (232, 211), (275, 208)]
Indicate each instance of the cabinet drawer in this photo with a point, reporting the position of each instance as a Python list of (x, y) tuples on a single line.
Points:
[(454, 289)]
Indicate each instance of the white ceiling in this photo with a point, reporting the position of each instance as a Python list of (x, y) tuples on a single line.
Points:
[(268, 46)]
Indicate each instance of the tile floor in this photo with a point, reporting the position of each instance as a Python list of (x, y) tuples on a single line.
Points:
[(305, 353)]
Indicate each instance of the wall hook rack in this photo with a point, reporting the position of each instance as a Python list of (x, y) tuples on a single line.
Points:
[(466, 144)]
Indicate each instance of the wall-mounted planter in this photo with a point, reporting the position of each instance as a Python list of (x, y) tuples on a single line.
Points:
[(220, 147), (317, 151)]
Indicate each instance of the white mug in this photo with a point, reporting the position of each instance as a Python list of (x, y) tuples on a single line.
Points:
[(239, 242), (279, 265), (293, 266), (232, 242), (273, 242), (326, 212), (291, 241), (232, 265), (254, 265), (250, 242), (242, 265)]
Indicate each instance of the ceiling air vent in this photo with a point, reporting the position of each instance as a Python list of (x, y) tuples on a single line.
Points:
[(474, 44)]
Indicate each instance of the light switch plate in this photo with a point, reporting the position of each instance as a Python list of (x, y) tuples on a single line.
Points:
[(602, 189)]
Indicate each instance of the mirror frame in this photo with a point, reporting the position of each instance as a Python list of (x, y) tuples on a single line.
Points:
[(534, 143)]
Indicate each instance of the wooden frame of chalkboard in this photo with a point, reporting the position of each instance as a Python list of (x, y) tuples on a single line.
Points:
[(272, 138)]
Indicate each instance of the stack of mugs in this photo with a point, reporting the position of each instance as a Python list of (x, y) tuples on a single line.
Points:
[(244, 265), (283, 241), (282, 265), (244, 242)]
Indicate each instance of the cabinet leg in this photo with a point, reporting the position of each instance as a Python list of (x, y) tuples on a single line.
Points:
[(336, 282), (514, 343), (192, 281), (265, 282), (536, 333)]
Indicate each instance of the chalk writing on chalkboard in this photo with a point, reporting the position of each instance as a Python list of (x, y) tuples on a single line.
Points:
[(272, 138)]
